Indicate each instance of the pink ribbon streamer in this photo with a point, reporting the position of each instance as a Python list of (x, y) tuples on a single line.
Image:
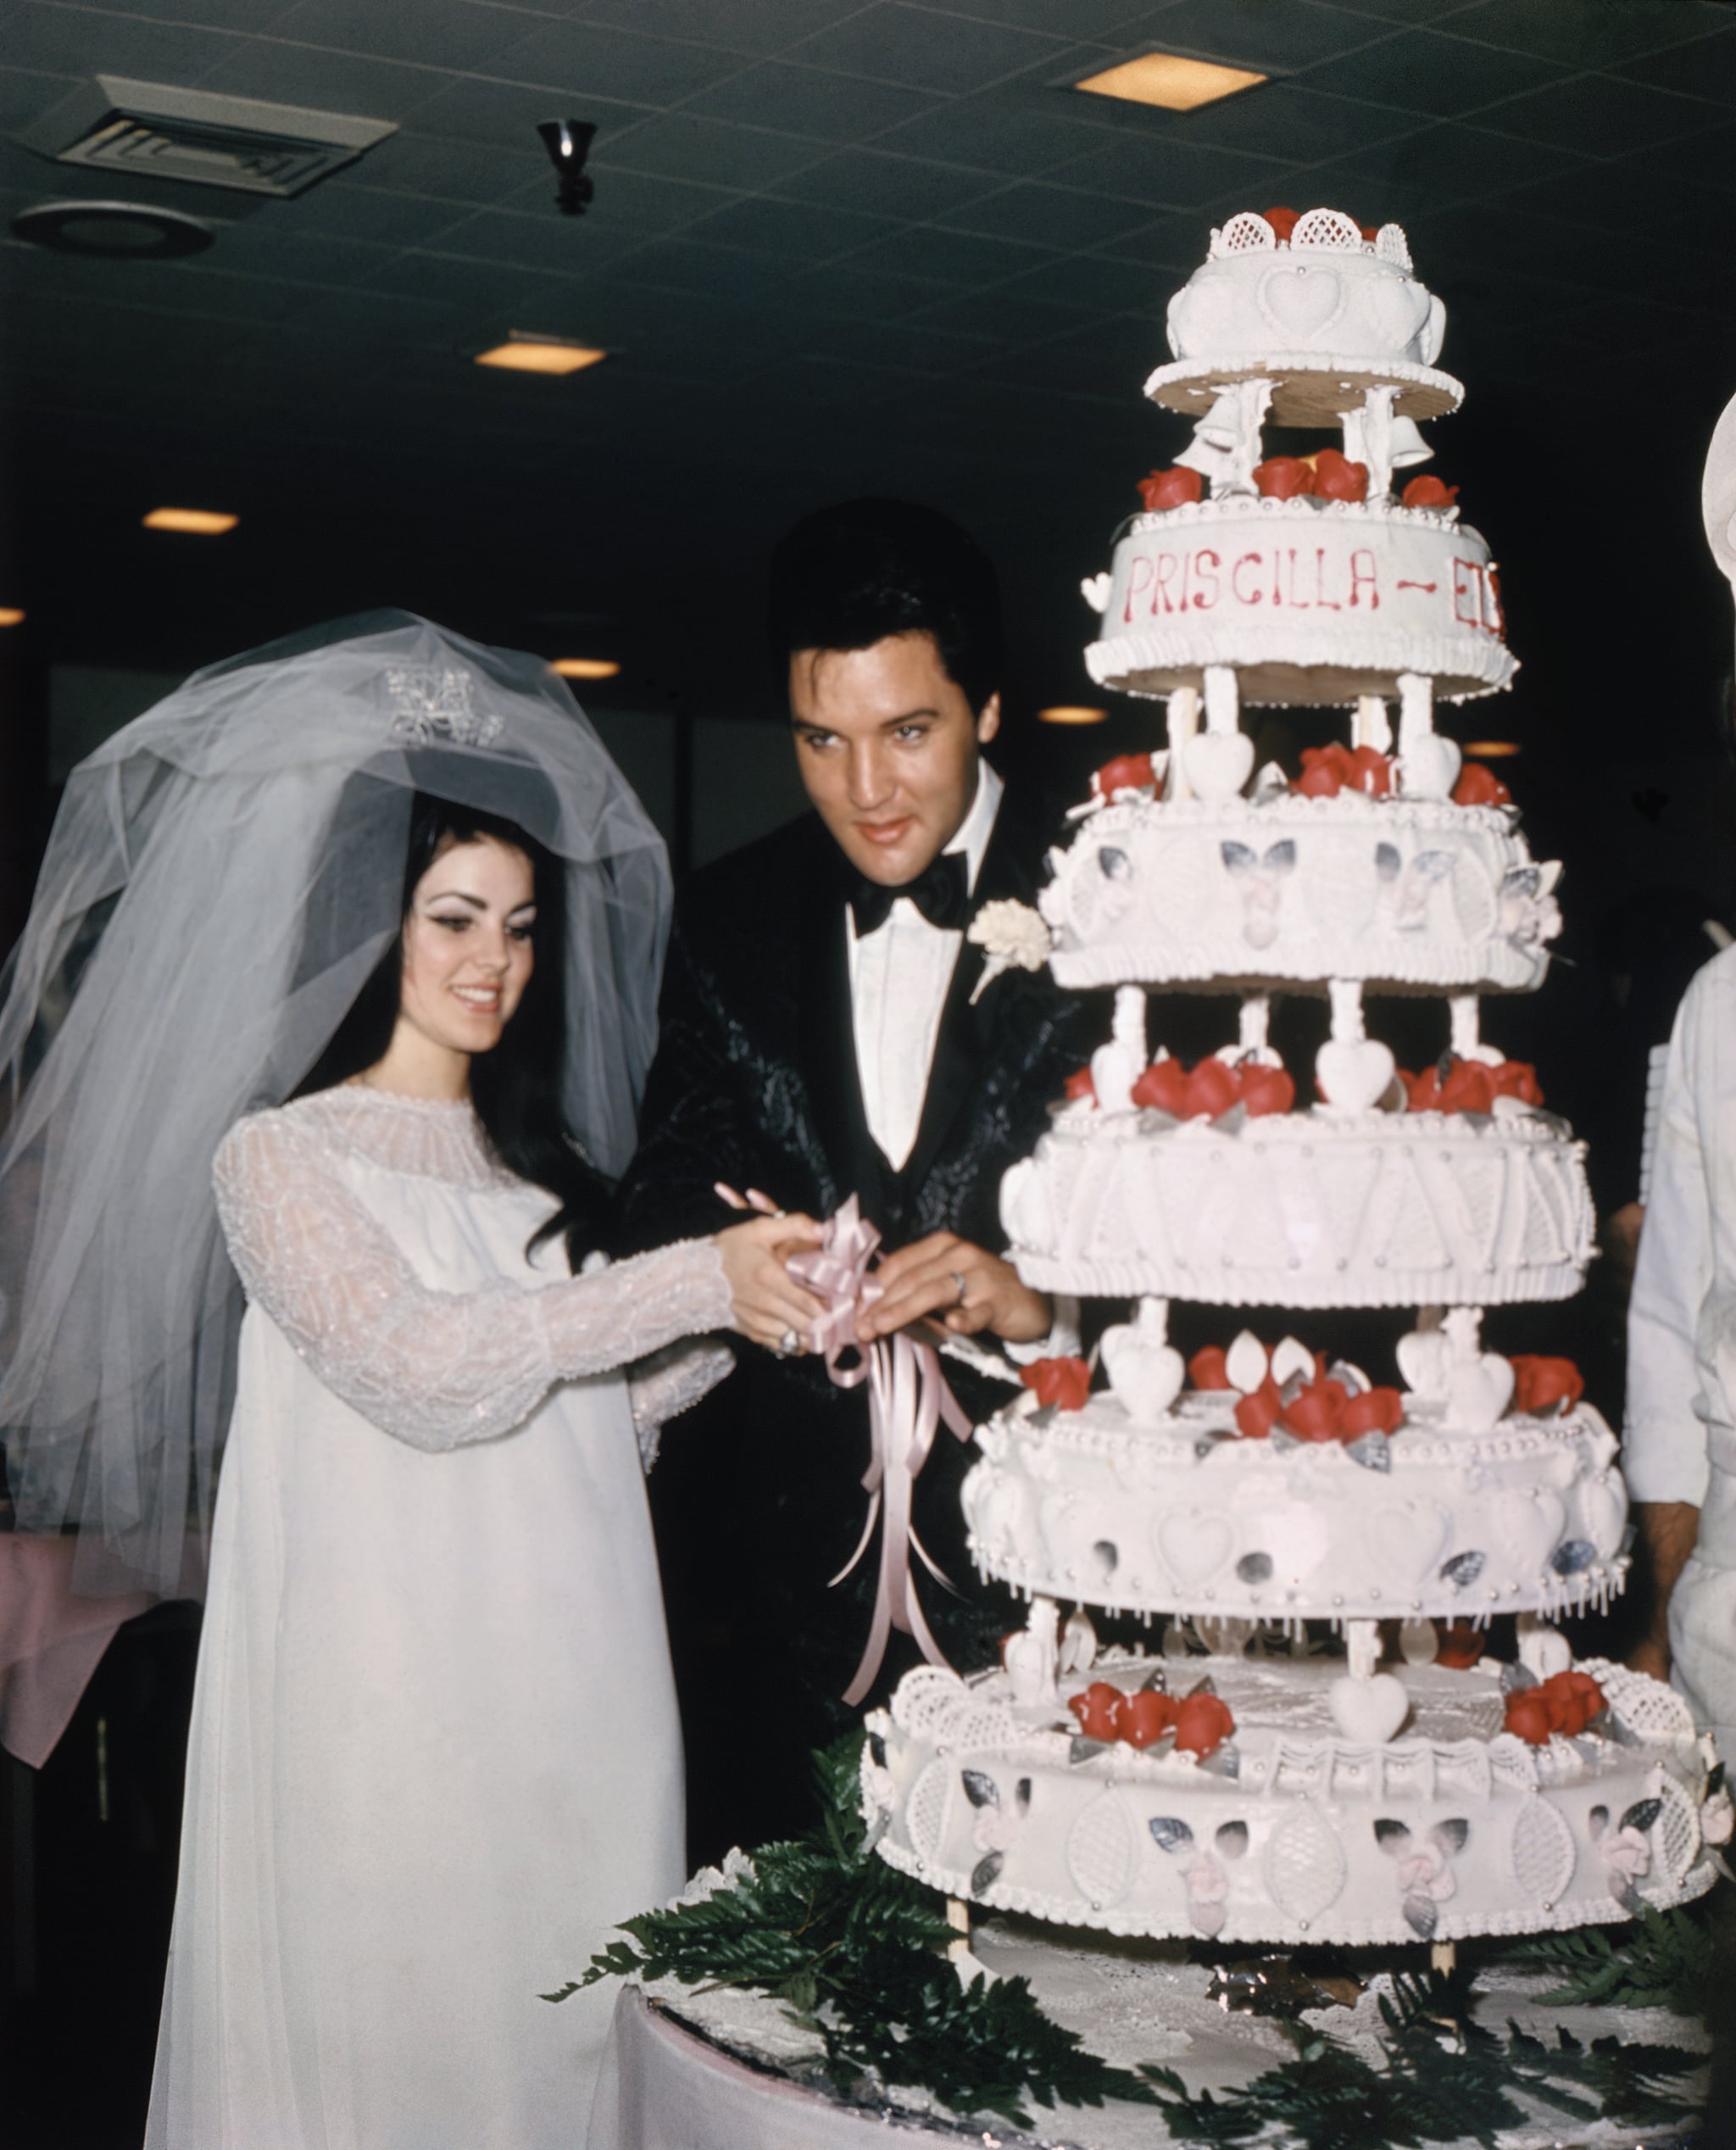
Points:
[(908, 1399)]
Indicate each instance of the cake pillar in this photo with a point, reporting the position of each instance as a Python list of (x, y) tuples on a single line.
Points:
[(1368, 438), (1371, 727), (1428, 765), (1183, 722)]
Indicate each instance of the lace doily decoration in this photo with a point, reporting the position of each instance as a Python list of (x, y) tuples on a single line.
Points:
[(926, 1813), (1328, 228), (1103, 1852), (1305, 1866), (1543, 1852)]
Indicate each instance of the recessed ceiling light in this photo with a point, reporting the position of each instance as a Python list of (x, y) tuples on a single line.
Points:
[(11, 615), (1070, 713), (540, 354), (112, 231), (196, 522), (586, 667), (1492, 749), (1166, 79)]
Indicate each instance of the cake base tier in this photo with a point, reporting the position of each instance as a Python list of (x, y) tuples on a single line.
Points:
[(1309, 601), (1178, 1516), (1408, 894), (1293, 1833), (1304, 1210)]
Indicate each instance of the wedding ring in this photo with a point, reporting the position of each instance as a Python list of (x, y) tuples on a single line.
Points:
[(958, 1277), (788, 1344)]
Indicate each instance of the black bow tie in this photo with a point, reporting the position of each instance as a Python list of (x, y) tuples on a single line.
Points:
[(941, 892)]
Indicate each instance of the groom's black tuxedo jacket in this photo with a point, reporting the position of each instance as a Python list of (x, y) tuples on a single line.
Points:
[(755, 1083)]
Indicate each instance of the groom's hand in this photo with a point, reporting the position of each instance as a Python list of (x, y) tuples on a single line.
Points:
[(965, 1286)]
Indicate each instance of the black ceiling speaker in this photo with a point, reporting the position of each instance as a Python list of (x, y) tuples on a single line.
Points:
[(113, 231), (567, 142)]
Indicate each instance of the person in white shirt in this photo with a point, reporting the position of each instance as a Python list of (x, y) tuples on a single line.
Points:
[(823, 1035), (1679, 1445)]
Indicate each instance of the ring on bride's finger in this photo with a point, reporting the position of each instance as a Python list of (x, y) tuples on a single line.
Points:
[(958, 1277), (788, 1344)]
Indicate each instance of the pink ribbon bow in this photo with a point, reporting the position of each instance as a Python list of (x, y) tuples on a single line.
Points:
[(908, 1398)]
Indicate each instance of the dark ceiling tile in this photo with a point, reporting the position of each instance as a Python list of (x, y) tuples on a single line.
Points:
[(455, 34), (1437, 166), (1707, 68), (854, 292), (1410, 11), (1177, 241), (923, 49), (450, 170), (1421, 71), (1094, 283), (791, 229), (710, 272), (1082, 18), (25, 94), (1254, 33), (806, 100), (89, 41), (310, 258), (1293, 120), (759, 28), (557, 244), (1584, 36), (896, 345), (1049, 216), (1088, 364), (471, 109), (282, 74), (1003, 316), (960, 259), (678, 145), (1632, 194), (586, 58), (1600, 115), (634, 204), (875, 181), (1171, 173), (1025, 135), (460, 284), (831, 380), (1706, 160), (375, 213)]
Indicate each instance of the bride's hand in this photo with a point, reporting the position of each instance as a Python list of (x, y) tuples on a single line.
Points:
[(768, 1304)]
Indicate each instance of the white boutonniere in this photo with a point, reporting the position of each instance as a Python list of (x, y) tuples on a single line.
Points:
[(1015, 936)]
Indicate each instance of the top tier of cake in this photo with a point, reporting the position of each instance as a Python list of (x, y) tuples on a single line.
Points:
[(1319, 306)]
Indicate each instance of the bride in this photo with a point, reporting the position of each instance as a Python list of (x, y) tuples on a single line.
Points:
[(434, 1753)]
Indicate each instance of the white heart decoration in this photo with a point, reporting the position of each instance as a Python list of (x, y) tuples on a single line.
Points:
[(1532, 1529), (1397, 309), (1428, 768), (1094, 589), (1354, 1072), (1115, 1069), (1291, 1357), (1478, 1391), (1425, 1359), (1245, 1362), (1369, 1711), (1145, 1375), (1411, 1536), (1195, 1543), (1603, 1508), (1217, 764), (1301, 302)]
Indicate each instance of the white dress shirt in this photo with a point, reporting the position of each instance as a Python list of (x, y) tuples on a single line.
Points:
[(1680, 1437), (899, 977)]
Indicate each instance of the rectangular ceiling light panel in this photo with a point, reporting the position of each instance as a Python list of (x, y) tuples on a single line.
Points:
[(1166, 79), (153, 131)]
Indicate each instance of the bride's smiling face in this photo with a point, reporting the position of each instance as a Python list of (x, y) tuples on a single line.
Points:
[(467, 951)]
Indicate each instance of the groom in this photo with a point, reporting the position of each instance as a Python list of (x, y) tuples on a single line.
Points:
[(822, 1036)]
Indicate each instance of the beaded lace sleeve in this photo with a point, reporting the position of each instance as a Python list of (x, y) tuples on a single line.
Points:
[(672, 1381), (437, 1369)]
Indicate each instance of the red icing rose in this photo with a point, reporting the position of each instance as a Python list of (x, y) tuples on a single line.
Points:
[(1516, 1078), (1564, 1703), (1127, 772), (1266, 1089), (1375, 1411), (1428, 493), (1146, 1716), (1540, 1384), (1080, 1085), (1099, 1710), (1284, 222), (1203, 1723), (1208, 1368), (1317, 1412), (1065, 1382), (1469, 1088), (1282, 478), (1370, 232), (1164, 1085), (1335, 477), (1326, 771), (1527, 1717), (1171, 489), (1257, 1413), (1213, 1088), (1478, 786), (1458, 1645)]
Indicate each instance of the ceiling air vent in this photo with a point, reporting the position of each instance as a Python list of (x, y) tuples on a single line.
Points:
[(152, 130)]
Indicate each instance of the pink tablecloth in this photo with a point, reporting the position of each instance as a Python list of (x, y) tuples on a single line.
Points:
[(50, 1641)]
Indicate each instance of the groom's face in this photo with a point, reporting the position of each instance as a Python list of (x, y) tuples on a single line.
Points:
[(887, 742)]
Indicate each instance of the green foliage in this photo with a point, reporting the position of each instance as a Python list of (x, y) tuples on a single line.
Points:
[(1662, 1960), (855, 1950)]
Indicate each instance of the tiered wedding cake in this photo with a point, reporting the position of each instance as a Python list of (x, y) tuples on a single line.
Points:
[(1269, 1790)]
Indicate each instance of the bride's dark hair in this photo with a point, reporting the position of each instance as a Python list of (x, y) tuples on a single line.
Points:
[(517, 1087)]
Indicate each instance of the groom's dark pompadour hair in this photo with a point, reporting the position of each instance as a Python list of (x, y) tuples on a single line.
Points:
[(847, 577)]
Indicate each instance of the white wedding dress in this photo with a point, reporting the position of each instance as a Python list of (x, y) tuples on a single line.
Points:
[(434, 1754)]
